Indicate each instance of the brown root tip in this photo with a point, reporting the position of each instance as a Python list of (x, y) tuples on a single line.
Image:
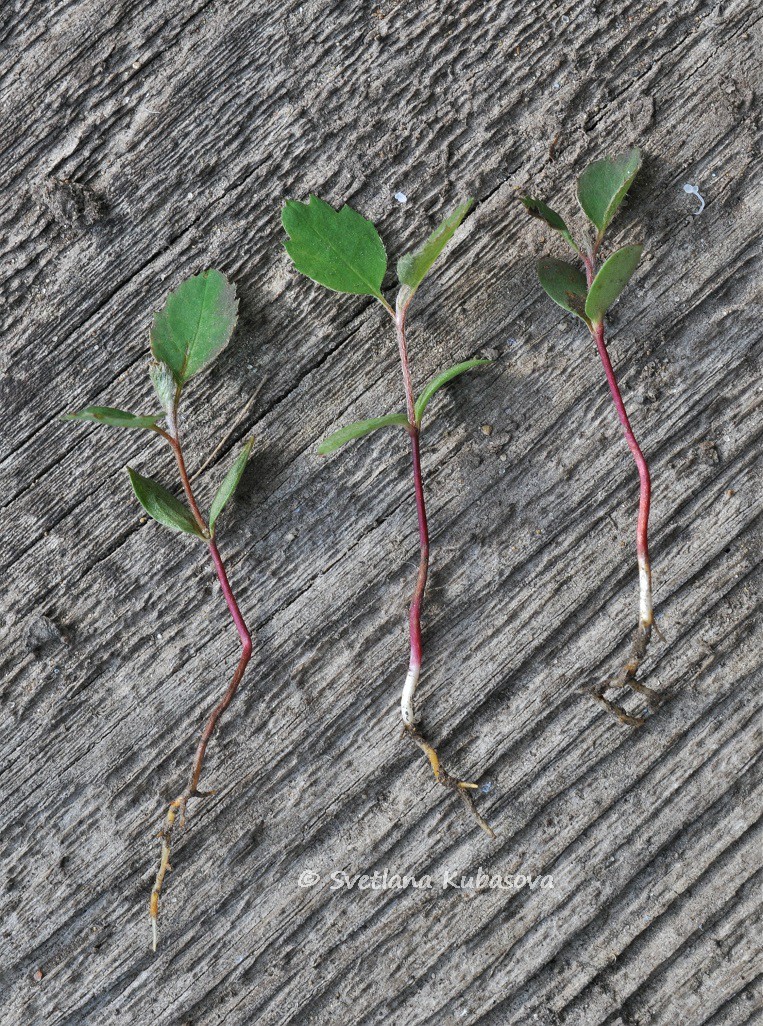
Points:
[(627, 678), (461, 787)]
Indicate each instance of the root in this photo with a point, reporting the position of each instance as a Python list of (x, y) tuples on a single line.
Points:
[(460, 787), (627, 678), (177, 808)]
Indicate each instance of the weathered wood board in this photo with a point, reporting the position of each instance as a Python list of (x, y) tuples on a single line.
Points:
[(143, 141)]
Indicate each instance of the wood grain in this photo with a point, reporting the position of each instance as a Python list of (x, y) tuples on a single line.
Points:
[(144, 141)]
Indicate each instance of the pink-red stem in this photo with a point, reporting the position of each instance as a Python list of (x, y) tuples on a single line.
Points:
[(414, 616), (421, 580), (235, 612), (645, 492)]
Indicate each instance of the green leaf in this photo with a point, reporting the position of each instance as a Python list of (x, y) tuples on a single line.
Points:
[(612, 278), (565, 283), (162, 505), (537, 208), (413, 267), (338, 249), (114, 418), (603, 185), (229, 483), (358, 430), (195, 324), (442, 379)]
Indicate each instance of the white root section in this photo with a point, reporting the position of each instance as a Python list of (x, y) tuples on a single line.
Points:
[(646, 610), (409, 689)]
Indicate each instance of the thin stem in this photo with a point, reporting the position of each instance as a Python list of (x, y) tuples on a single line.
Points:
[(643, 633), (414, 616), (178, 806), (642, 531), (461, 787)]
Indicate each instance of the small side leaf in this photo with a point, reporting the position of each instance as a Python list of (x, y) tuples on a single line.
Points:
[(358, 430), (537, 208), (612, 278), (337, 248), (114, 418), (162, 505), (565, 283), (195, 324), (603, 185), (442, 379), (229, 483), (412, 268)]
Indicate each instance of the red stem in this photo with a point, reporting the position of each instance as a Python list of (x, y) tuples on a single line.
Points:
[(645, 492), (418, 483), (642, 542), (246, 654), (421, 581), (235, 612)]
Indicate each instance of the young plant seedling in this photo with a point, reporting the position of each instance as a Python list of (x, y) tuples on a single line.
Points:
[(195, 324), (344, 252), (588, 292)]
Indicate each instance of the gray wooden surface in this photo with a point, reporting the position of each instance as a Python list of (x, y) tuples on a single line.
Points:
[(143, 141)]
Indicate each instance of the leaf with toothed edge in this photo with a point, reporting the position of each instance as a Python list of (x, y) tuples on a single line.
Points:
[(440, 380), (358, 430), (229, 483), (113, 417), (337, 248), (162, 505), (195, 324)]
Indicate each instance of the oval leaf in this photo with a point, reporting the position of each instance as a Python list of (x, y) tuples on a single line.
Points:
[(537, 208), (442, 379), (603, 185), (358, 430), (565, 283), (412, 268), (195, 324), (612, 278), (338, 249), (162, 505), (114, 418), (229, 483)]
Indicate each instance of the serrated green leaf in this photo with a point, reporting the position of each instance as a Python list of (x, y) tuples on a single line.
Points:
[(337, 248), (162, 505), (112, 417), (537, 208), (412, 268), (229, 483), (442, 379), (612, 278), (195, 324), (603, 185), (358, 430), (565, 283)]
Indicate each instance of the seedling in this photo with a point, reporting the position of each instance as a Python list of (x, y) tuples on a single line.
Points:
[(195, 324), (344, 252), (588, 293)]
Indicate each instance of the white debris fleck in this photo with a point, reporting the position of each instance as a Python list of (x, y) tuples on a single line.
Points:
[(693, 190), (401, 197)]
